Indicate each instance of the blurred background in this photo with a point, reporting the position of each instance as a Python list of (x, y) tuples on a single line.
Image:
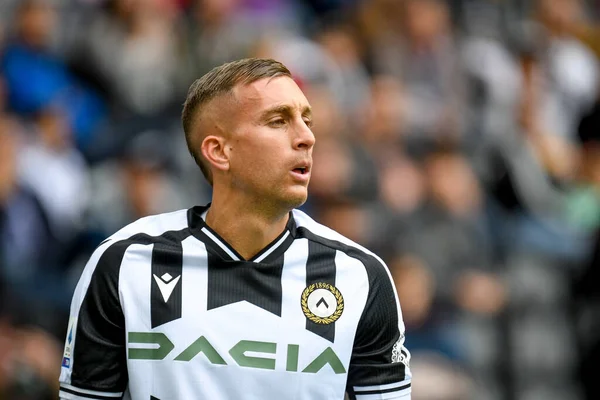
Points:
[(458, 139)]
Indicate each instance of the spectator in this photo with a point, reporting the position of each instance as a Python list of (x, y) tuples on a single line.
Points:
[(447, 141), (63, 187), (36, 79), (586, 288), (26, 238), (342, 46), (134, 53), (423, 54), (138, 184), (566, 73)]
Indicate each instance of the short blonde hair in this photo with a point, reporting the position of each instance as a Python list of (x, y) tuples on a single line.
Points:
[(218, 81)]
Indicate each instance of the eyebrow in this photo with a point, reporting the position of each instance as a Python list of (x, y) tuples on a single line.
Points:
[(285, 110)]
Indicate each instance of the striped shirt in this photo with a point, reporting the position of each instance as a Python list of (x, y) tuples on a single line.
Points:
[(166, 309)]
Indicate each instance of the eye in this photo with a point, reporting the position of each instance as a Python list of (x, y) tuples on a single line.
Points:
[(309, 122), (277, 122)]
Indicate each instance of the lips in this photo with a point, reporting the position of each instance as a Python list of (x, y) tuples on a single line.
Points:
[(302, 168), (301, 171)]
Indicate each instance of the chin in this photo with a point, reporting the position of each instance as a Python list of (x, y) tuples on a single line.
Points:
[(294, 200)]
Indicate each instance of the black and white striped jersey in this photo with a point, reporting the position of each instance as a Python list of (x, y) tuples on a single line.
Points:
[(166, 309)]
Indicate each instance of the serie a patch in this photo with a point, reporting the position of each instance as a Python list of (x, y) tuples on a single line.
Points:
[(67, 355)]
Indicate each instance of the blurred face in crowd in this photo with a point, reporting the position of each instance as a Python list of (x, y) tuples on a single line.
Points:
[(215, 11), (143, 187), (416, 288), (425, 20), (36, 23), (341, 45), (402, 173), (335, 166), (264, 151), (559, 14), (327, 117), (349, 219), (385, 111), (54, 131), (453, 184)]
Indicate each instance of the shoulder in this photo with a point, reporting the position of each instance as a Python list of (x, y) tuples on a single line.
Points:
[(314, 231), (102, 271), (152, 226), (170, 226)]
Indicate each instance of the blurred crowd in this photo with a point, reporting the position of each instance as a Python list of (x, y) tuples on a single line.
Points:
[(458, 139)]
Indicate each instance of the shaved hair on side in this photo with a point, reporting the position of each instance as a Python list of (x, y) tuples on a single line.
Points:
[(218, 81)]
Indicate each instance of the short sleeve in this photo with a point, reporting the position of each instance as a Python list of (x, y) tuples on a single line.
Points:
[(379, 365), (94, 360)]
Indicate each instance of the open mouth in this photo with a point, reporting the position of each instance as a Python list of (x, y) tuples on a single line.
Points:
[(301, 170)]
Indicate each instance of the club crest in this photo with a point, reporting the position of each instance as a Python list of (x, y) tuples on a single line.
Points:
[(322, 303)]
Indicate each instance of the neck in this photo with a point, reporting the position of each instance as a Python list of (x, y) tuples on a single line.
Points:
[(244, 225)]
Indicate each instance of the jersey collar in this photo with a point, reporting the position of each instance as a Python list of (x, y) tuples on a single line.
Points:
[(216, 244)]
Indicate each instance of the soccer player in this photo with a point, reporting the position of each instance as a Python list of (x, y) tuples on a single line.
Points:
[(246, 297)]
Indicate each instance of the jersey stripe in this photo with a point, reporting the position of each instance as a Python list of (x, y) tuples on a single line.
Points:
[(216, 244), (272, 248), (403, 395), (381, 388), (134, 283), (99, 328), (320, 267), (100, 343), (258, 284), (294, 281), (219, 243), (177, 281), (78, 296), (167, 268), (400, 390), (70, 392), (277, 250), (195, 284), (67, 395), (367, 337), (390, 390), (210, 244)]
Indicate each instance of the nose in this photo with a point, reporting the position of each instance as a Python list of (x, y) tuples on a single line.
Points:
[(304, 138)]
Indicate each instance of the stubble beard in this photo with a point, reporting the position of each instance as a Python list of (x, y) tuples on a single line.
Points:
[(285, 202)]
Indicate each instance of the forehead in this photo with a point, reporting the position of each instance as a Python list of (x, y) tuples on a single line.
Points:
[(270, 92)]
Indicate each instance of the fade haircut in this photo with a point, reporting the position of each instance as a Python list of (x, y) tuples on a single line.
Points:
[(221, 80)]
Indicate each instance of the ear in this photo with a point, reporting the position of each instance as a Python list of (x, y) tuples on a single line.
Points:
[(215, 152)]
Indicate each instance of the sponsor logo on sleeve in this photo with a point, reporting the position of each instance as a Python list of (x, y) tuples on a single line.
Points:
[(66, 361)]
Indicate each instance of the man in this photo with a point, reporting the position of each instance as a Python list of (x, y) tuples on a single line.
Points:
[(245, 298)]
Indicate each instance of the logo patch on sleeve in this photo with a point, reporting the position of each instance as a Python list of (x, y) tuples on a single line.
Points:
[(322, 303), (70, 341), (399, 354)]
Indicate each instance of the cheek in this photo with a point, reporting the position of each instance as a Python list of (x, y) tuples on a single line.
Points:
[(257, 164), (267, 153), (260, 158)]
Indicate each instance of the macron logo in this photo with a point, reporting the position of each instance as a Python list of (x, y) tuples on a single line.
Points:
[(166, 284)]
